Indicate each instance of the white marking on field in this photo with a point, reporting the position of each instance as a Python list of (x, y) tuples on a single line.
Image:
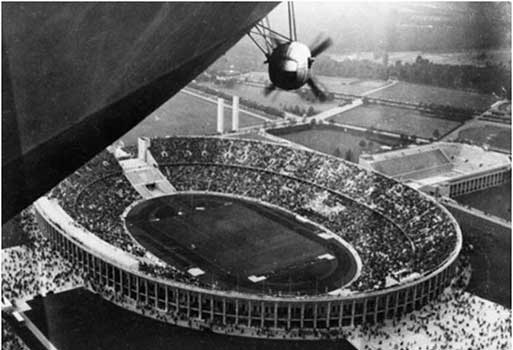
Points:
[(195, 271), (324, 235), (256, 279), (326, 257)]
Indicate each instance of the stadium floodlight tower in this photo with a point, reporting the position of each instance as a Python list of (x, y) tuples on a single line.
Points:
[(289, 60)]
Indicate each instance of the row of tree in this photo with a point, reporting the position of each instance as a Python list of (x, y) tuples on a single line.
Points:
[(491, 78)]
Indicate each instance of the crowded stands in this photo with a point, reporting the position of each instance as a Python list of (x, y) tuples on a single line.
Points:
[(35, 268), (396, 231)]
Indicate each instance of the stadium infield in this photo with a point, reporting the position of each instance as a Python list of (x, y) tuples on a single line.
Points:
[(240, 244)]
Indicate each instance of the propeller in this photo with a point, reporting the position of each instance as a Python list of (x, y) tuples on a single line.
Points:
[(319, 45), (314, 85)]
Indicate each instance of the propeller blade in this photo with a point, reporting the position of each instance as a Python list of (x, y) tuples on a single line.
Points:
[(316, 90), (268, 89), (320, 46)]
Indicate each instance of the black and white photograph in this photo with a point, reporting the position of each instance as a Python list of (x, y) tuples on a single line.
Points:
[(256, 175)]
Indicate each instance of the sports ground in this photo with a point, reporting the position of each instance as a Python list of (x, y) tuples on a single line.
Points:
[(240, 244)]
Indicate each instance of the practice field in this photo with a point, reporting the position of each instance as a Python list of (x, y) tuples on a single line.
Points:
[(351, 86), (416, 93), (483, 133), (185, 115), (334, 141), (397, 120), (240, 244)]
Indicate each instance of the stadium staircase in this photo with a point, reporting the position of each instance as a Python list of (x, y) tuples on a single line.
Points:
[(147, 180)]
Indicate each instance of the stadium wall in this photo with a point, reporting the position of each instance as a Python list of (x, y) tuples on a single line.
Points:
[(217, 310), (479, 181)]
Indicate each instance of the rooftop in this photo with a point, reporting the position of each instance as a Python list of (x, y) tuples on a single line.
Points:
[(436, 162)]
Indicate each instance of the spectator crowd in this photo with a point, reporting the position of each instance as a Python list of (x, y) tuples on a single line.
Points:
[(392, 227), (396, 231)]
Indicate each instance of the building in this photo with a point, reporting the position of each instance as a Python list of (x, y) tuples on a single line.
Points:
[(443, 168)]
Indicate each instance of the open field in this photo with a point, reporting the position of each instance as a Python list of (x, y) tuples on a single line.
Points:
[(496, 200), (397, 120), (185, 115), (81, 320), (416, 93), (233, 239), (351, 86), (278, 99), (333, 141), (487, 134), (484, 133)]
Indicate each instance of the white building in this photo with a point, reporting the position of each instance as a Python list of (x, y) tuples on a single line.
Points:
[(443, 168)]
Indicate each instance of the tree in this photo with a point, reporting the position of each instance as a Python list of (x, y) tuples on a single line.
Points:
[(362, 143), (337, 152), (436, 134)]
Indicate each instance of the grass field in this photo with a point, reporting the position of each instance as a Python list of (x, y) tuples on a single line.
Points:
[(185, 115), (333, 142), (232, 238), (397, 120), (496, 200), (81, 320), (482, 133), (415, 93), (278, 100), (350, 86)]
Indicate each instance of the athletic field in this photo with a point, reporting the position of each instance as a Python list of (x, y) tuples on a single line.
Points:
[(240, 244)]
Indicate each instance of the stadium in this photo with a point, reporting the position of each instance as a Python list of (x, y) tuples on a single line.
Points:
[(321, 243), (443, 168)]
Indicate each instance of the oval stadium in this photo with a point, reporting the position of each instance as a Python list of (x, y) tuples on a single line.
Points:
[(255, 237)]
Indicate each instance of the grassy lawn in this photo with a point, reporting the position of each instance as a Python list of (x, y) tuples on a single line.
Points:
[(278, 99), (399, 120), (328, 141), (496, 200), (350, 86), (486, 134), (185, 115), (431, 94)]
